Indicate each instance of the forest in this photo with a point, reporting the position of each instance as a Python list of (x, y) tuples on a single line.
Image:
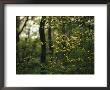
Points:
[(54, 44)]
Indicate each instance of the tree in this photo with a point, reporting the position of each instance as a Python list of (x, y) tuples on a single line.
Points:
[(55, 44), (50, 36), (20, 26), (43, 40)]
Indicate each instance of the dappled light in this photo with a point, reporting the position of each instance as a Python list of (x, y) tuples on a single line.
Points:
[(55, 44)]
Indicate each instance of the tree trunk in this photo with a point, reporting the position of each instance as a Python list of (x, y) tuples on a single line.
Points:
[(50, 38), (43, 40), (17, 28)]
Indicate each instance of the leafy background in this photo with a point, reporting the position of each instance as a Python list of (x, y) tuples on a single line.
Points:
[(55, 44)]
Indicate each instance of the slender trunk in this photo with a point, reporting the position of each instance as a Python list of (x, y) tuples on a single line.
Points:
[(50, 38), (43, 40), (17, 37), (17, 28)]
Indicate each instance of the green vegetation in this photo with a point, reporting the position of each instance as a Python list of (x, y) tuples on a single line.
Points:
[(55, 45)]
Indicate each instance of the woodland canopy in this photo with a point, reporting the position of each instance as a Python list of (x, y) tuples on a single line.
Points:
[(55, 45)]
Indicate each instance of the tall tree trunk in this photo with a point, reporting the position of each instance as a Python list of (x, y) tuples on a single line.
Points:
[(17, 28), (50, 38), (43, 40)]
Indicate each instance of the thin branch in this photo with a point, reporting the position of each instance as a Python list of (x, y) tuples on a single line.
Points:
[(24, 25)]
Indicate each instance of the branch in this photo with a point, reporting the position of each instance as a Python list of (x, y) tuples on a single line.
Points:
[(23, 25)]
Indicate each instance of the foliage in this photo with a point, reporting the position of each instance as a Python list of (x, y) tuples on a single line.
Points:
[(69, 44)]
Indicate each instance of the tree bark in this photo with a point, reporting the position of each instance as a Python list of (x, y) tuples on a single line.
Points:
[(50, 38), (17, 28), (43, 40)]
